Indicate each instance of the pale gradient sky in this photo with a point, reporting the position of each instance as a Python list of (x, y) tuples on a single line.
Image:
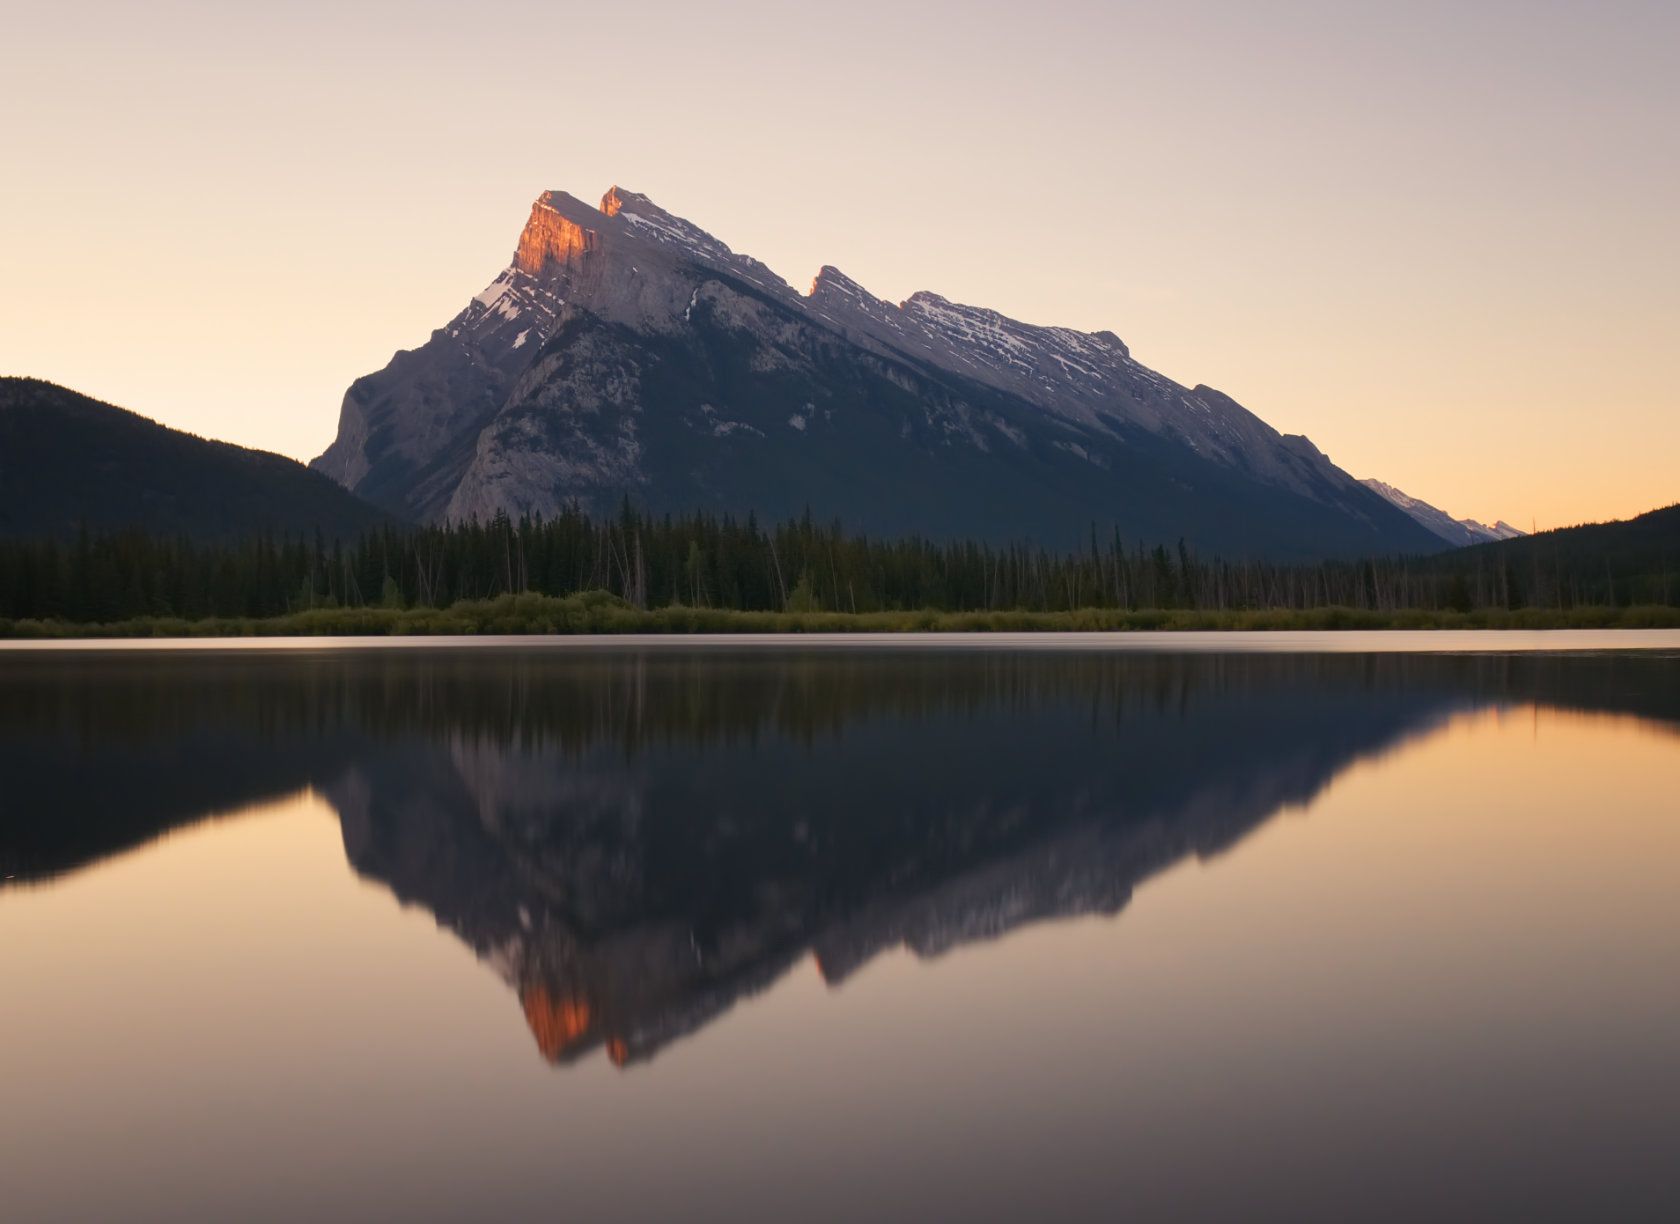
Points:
[(1440, 239)]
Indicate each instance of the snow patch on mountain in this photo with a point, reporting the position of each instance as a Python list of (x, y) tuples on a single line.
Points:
[(1456, 531)]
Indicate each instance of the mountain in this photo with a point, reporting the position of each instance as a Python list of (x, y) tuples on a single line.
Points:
[(68, 460), (1457, 532), (627, 353)]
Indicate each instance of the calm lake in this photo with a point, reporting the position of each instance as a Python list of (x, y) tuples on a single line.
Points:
[(1284, 927)]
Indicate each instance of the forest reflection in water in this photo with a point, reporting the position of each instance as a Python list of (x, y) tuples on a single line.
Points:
[(636, 840)]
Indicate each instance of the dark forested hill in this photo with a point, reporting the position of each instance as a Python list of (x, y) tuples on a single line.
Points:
[(1635, 560), (67, 460)]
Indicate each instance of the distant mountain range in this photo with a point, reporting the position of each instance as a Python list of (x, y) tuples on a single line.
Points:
[(67, 461), (1457, 532), (624, 352)]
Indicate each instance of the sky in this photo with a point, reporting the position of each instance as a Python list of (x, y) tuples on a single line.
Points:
[(1439, 239)]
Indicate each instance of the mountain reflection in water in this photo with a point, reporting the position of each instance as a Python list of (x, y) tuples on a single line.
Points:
[(636, 840)]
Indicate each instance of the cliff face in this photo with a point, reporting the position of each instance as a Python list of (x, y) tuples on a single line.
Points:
[(625, 351), (551, 239)]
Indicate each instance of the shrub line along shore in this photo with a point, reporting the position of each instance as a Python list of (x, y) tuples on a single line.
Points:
[(598, 612)]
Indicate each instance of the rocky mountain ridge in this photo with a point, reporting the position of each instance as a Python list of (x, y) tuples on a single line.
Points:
[(626, 352), (1455, 531)]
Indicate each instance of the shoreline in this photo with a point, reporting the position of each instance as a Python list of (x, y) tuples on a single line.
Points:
[(595, 616), (1380, 641)]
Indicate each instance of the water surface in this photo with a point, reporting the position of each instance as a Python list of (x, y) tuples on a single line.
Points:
[(865, 930)]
